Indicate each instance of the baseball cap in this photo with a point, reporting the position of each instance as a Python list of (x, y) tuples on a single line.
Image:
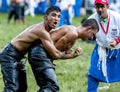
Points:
[(104, 2)]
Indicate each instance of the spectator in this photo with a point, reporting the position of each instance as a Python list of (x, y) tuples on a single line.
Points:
[(66, 7), (13, 12), (21, 11), (105, 59), (31, 7)]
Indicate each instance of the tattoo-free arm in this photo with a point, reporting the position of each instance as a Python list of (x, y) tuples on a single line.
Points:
[(78, 51), (49, 45)]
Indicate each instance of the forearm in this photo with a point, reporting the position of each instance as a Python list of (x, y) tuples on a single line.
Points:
[(67, 56), (63, 55), (115, 42)]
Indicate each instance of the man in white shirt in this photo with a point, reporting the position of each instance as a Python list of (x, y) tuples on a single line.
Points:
[(105, 59)]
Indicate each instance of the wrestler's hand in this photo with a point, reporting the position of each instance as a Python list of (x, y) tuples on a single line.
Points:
[(113, 43), (68, 51), (69, 54), (78, 52)]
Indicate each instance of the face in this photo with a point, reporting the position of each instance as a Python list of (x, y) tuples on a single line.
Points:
[(89, 34), (101, 10), (52, 19)]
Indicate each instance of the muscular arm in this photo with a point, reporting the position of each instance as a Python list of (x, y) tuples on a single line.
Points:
[(64, 41), (48, 42), (49, 46), (74, 54), (55, 53)]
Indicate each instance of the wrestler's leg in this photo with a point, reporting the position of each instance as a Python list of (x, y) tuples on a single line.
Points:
[(45, 76), (49, 80), (22, 76), (43, 70), (10, 73)]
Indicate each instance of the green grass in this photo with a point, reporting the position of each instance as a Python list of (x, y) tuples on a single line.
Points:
[(71, 73)]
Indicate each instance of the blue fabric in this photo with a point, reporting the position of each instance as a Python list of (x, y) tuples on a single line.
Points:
[(65, 18), (53, 2), (77, 6), (112, 63), (4, 6), (41, 8), (92, 84)]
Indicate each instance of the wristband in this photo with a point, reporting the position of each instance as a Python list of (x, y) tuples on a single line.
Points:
[(117, 40)]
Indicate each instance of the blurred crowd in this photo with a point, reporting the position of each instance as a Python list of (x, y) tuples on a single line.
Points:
[(20, 8), (70, 8)]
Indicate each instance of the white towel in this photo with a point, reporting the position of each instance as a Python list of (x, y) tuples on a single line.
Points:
[(102, 59)]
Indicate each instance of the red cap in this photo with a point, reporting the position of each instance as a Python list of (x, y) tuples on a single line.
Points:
[(104, 2)]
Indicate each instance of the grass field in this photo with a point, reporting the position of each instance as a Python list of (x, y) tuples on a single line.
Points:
[(71, 73)]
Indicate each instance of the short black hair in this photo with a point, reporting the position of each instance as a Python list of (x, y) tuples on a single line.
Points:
[(91, 22), (51, 9)]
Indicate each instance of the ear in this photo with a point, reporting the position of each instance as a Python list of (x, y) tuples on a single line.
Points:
[(45, 17)]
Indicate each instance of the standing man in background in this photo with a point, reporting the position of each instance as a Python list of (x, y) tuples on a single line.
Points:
[(105, 59), (13, 12), (66, 7), (31, 4), (20, 4)]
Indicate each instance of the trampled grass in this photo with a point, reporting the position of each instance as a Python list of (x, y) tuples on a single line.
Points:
[(71, 73)]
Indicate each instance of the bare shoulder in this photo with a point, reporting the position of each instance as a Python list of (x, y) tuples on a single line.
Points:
[(68, 28), (38, 29), (64, 30), (69, 31)]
